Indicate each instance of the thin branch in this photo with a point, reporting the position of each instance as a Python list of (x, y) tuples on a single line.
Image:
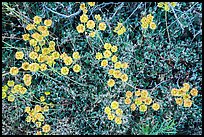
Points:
[(176, 17), (62, 15)]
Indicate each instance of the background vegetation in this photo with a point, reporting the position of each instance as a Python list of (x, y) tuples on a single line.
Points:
[(157, 62)]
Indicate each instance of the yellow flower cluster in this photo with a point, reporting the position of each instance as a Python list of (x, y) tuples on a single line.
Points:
[(108, 56), (27, 78), (90, 24), (68, 61), (183, 95), (148, 22), (119, 29), (165, 5), (36, 116), (13, 89), (114, 113), (140, 99)]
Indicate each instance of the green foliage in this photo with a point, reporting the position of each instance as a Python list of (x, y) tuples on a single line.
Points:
[(159, 60)]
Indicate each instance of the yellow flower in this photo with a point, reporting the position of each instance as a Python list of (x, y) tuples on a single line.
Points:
[(46, 128), (25, 66), (68, 60), (187, 103), (119, 111), (46, 108), (3, 95), (76, 68), (144, 25), (27, 77), (22, 90), (5, 88), (97, 17), (149, 18), (111, 82), (84, 18), (133, 107), (99, 56), (152, 25), (117, 65), (114, 58), (26, 37), (127, 101), (33, 42), (13, 91), (10, 83), (42, 28), (138, 101), (37, 108), (85, 11), (102, 26), (144, 93), (186, 96), (118, 120), (107, 53), (30, 26), (34, 67), (124, 77), (11, 97), (43, 67), (38, 124), (42, 98), (124, 65), (19, 55), (117, 74), (41, 58), (160, 4), (48, 22), (137, 93), (82, 6), (45, 33), (64, 70), (80, 28), (155, 106), (36, 48), (107, 110), (128, 94), (47, 93), (173, 4), (179, 101), (33, 55), (17, 87), (143, 108), (186, 86), (114, 105), (13, 71), (38, 133), (28, 119), (51, 43), (194, 92), (92, 34), (111, 116), (111, 71), (76, 55), (55, 55), (27, 109), (114, 48), (90, 24), (143, 20), (174, 92), (148, 100), (91, 3), (37, 19), (166, 7), (104, 63), (107, 46)]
